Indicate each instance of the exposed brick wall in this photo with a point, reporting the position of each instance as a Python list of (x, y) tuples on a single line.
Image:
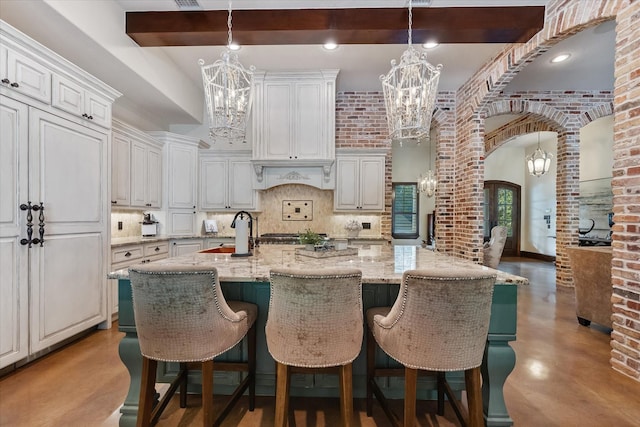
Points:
[(563, 19), (564, 112), (625, 269), (462, 147)]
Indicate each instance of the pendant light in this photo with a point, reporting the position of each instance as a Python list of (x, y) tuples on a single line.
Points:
[(227, 89), (427, 183), (539, 161), (410, 93)]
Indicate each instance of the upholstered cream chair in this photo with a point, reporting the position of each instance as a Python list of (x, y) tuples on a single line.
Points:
[(182, 316), (439, 322), (494, 247), (315, 322)]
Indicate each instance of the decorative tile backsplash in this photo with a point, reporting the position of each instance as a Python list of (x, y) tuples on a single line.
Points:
[(323, 218), (269, 218)]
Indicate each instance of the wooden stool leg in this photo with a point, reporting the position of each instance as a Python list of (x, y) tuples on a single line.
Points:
[(183, 387), (371, 369), (207, 393), (251, 350), (440, 378), (474, 397), (346, 394), (147, 392), (410, 384), (282, 395)]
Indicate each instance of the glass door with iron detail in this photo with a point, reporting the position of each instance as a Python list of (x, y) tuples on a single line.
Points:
[(502, 207)]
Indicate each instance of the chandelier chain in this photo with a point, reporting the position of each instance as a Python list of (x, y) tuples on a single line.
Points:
[(229, 27), (410, 23)]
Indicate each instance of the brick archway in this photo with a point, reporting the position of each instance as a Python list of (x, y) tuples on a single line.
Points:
[(563, 19)]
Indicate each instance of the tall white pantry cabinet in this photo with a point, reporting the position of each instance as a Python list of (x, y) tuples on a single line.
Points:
[(55, 124)]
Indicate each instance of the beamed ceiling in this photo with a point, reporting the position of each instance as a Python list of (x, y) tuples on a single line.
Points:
[(343, 26)]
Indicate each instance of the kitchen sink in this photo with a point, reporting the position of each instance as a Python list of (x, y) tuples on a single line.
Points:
[(219, 250)]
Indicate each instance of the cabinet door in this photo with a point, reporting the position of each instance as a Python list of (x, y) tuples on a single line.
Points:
[(182, 222), (347, 184), (309, 131), (139, 174), (68, 96), (372, 184), (154, 178), (185, 247), (14, 281), (67, 173), (241, 192), (213, 184), (28, 77), (97, 109), (182, 176), (278, 132), (120, 171)]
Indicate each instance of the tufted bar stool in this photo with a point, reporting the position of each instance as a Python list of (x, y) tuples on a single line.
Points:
[(182, 316), (315, 322), (438, 323)]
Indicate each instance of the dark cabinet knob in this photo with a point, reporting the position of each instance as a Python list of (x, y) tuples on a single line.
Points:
[(157, 249), (128, 254), (14, 84), (5, 81)]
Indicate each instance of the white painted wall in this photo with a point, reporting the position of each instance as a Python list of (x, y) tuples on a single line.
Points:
[(409, 161), (538, 197)]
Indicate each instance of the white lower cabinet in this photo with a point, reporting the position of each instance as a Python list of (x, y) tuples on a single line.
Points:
[(185, 246), (126, 256)]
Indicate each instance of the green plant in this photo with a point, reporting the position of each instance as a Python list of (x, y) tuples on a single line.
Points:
[(309, 237)]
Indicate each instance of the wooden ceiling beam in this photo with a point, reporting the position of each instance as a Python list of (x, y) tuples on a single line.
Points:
[(344, 26)]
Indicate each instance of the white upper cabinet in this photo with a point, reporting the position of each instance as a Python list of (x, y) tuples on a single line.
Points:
[(180, 181), (225, 182), (72, 98), (294, 115), (120, 170), (24, 75), (360, 182), (136, 168)]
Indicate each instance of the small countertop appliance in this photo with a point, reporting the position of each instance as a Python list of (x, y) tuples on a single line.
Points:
[(149, 226)]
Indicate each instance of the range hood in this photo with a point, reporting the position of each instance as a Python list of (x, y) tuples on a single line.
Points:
[(319, 173)]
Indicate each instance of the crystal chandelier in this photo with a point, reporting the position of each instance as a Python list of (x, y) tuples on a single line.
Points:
[(427, 183), (539, 161), (410, 93), (227, 89)]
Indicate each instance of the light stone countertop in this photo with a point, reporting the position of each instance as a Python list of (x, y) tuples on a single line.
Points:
[(378, 263), (139, 240)]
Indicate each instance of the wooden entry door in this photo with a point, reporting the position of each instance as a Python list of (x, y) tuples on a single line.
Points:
[(502, 207)]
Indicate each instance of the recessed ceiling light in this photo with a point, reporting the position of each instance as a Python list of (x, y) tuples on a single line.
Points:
[(430, 44), (330, 45), (234, 46), (561, 58)]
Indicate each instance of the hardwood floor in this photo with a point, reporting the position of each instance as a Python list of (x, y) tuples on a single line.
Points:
[(562, 378)]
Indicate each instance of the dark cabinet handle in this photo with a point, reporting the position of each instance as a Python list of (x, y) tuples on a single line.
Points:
[(114, 202), (157, 249), (30, 209), (128, 254), (5, 81), (90, 117), (14, 84)]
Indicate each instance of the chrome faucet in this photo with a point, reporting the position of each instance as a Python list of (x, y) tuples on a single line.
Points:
[(241, 215)]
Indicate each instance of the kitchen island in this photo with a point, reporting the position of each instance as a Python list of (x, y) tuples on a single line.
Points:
[(247, 279)]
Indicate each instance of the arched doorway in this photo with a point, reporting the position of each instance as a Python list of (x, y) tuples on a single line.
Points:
[(502, 207)]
